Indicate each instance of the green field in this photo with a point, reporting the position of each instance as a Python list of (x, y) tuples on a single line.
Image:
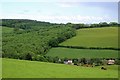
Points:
[(82, 53), (7, 30), (94, 37), (32, 69), (0, 68)]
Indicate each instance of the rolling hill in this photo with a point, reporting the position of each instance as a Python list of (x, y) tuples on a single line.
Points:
[(94, 37), (90, 37)]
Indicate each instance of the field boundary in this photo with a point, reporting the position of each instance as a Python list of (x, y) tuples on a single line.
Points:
[(93, 48)]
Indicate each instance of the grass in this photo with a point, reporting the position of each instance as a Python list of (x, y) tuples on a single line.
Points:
[(32, 69), (82, 53), (0, 68), (94, 37), (7, 30)]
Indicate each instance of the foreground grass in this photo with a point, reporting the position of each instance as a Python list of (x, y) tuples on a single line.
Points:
[(82, 53), (0, 68), (31, 69), (95, 37)]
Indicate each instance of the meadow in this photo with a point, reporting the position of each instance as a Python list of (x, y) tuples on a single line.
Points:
[(6, 29), (0, 68), (82, 53), (32, 69), (94, 37)]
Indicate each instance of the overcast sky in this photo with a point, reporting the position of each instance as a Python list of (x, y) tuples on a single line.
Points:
[(62, 12)]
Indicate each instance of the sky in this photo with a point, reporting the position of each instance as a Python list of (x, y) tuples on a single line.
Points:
[(61, 12)]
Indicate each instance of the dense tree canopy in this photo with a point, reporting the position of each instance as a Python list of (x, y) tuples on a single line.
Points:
[(33, 37)]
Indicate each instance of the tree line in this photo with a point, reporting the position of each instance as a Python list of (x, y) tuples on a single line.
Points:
[(28, 24), (76, 61), (94, 25)]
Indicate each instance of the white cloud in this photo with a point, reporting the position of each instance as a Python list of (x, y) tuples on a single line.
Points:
[(60, 19), (67, 4), (64, 5)]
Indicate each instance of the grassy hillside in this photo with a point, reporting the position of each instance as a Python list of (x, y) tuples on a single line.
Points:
[(95, 37), (7, 30), (31, 69), (82, 53)]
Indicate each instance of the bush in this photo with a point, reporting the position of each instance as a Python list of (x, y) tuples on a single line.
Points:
[(28, 56), (117, 61), (75, 61)]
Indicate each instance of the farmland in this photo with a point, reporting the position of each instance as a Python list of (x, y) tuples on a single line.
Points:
[(59, 39), (90, 37), (34, 69), (94, 37), (36, 46), (82, 53)]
